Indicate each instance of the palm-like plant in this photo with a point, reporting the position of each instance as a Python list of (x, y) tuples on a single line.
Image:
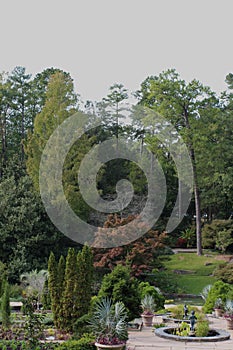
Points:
[(33, 282), (108, 322), (148, 304), (229, 310), (219, 304), (205, 291)]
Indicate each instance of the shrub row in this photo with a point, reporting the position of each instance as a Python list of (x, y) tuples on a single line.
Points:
[(84, 343)]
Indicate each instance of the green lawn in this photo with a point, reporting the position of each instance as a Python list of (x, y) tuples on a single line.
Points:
[(193, 284), (201, 267)]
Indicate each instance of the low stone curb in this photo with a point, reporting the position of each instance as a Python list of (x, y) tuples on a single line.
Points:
[(222, 335)]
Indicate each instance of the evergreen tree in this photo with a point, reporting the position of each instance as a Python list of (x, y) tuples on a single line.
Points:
[(214, 157), (111, 104), (83, 287), (46, 300), (67, 318), (3, 273), (20, 116), (53, 287), (27, 235), (60, 104), (4, 114), (60, 286), (5, 306), (61, 272), (120, 286), (180, 103), (70, 180), (39, 88)]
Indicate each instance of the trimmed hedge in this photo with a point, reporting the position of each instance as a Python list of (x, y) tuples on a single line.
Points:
[(84, 343), (218, 290)]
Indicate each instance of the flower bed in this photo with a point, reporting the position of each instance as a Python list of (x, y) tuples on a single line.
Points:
[(22, 345)]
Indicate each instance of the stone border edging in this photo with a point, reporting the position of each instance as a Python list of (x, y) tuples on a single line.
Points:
[(175, 320), (222, 335)]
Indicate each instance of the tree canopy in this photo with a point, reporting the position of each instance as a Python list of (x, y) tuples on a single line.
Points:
[(31, 108)]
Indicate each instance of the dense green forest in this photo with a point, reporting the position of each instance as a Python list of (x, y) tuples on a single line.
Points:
[(31, 108)]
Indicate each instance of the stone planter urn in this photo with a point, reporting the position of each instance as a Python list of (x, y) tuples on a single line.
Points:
[(147, 319), (229, 324), (218, 312), (109, 347), (148, 306), (109, 325), (218, 307)]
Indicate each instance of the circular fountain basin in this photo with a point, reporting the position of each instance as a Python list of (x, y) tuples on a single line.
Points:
[(219, 335)]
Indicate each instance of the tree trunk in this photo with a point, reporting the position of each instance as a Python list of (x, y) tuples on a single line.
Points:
[(198, 213), (3, 142), (117, 136), (196, 188), (22, 130), (2, 147)]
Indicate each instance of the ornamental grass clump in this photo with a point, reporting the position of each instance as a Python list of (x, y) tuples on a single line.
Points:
[(108, 322), (202, 328), (178, 312), (183, 329)]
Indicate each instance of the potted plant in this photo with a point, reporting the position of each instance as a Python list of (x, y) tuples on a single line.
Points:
[(219, 307), (109, 325), (228, 314), (148, 306)]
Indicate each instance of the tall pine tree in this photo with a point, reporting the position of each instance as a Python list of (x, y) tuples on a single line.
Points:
[(60, 103)]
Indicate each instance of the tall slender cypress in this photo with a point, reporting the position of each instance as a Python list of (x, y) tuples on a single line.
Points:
[(83, 287), (53, 287), (69, 287), (46, 300), (60, 284), (5, 306)]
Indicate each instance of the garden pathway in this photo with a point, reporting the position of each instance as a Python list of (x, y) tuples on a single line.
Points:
[(147, 340)]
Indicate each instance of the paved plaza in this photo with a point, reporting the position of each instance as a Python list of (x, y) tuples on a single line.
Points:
[(147, 340)]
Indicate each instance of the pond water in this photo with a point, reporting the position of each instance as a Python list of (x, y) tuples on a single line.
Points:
[(211, 333)]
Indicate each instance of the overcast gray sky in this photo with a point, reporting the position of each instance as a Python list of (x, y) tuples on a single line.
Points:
[(101, 42)]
